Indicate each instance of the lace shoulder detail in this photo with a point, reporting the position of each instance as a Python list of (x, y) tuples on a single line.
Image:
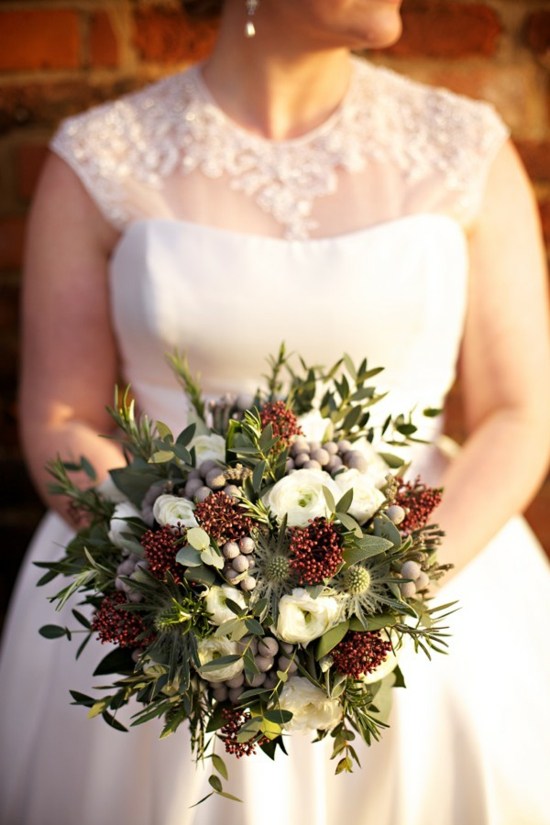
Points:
[(428, 129), (174, 126)]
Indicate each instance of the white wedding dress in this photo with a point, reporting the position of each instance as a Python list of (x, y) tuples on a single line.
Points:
[(350, 238)]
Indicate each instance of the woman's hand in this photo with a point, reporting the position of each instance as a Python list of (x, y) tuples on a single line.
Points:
[(69, 362)]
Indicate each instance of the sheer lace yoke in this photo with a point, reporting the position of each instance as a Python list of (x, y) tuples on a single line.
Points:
[(393, 148)]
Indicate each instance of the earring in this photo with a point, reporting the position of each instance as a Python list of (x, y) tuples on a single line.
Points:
[(249, 29)]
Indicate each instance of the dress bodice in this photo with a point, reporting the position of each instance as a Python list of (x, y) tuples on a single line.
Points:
[(350, 238), (395, 293)]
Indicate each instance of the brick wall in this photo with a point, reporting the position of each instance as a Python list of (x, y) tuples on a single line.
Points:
[(60, 56)]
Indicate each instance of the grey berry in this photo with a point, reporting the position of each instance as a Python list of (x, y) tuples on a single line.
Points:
[(312, 465), (208, 465), (331, 447), (231, 490), (193, 484), (248, 584), (344, 446), (320, 455), (287, 664), (268, 646), (300, 459), (231, 550), (235, 694), (246, 545), (411, 570), (240, 564), (289, 465), (422, 581), (257, 680), (334, 464), (408, 589), (215, 479), (299, 445), (355, 461), (396, 513), (263, 663), (236, 681), (202, 493)]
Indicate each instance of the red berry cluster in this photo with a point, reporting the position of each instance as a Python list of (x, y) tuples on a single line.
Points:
[(161, 547), (315, 551), (118, 626), (223, 518), (360, 652), (419, 501), (283, 420), (235, 719)]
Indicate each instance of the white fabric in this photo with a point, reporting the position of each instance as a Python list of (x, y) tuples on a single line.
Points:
[(469, 738)]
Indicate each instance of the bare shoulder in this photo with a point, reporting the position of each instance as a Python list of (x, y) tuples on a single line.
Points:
[(64, 210)]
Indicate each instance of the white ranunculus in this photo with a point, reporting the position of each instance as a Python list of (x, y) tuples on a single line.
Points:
[(171, 511), (314, 426), (367, 498), (311, 708), (215, 648), (303, 618), (216, 598), (300, 496), (208, 448), (118, 524), (377, 469)]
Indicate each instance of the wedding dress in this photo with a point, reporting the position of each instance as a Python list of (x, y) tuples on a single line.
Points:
[(350, 238)]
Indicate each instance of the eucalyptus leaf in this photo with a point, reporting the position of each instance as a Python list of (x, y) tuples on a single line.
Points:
[(53, 631), (161, 457), (220, 661), (330, 639), (188, 556)]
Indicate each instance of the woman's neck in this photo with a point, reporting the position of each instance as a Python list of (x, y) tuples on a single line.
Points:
[(270, 84)]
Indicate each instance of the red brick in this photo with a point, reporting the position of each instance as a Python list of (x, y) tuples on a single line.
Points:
[(39, 39), (537, 32), (167, 37), (544, 209), (447, 30), (12, 232), (28, 162), (45, 104), (536, 157), (104, 51), (538, 516)]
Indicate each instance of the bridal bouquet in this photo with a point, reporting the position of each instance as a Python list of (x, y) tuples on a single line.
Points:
[(259, 573)]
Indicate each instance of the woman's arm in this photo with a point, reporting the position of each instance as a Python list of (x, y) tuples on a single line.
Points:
[(69, 362), (504, 369)]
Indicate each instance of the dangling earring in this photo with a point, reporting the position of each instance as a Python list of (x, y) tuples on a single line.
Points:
[(249, 28)]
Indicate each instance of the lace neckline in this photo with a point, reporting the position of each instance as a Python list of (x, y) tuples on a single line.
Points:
[(202, 92)]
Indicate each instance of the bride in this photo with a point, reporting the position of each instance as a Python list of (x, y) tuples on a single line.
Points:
[(285, 190)]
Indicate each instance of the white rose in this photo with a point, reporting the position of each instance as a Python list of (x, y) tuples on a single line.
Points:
[(366, 497), (216, 598), (208, 447), (303, 618), (377, 469), (118, 524), (170, 511), (311, 708), (215, 648), (314, 426), (300, 496)]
